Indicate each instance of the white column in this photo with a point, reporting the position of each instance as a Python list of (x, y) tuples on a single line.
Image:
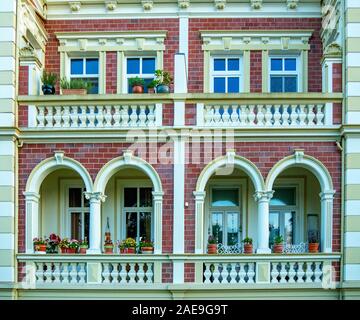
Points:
[(95, 221), (199, 221), (158, 200), (327, 199), (32, 219), (263, 200)]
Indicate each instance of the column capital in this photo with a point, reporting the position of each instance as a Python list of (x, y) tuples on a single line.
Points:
[(327, 195), (95, 196), (261, 196), (31, 196), (199, 195), (158, 195)]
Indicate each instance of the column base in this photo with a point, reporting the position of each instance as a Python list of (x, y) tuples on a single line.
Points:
[(263, 251), (93, 251)]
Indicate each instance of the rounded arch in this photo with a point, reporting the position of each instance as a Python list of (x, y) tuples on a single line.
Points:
[(304, 161), (238, 162), (47, 166), (127, 160)]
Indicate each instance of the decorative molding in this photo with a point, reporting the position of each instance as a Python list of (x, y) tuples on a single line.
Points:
[(299, 155), (220, 4), (263, 195), (230, 157), (184, 4), (147, 4), (292, 4), (97, 196), (59, 156), (256, 4), (75, 6), (128, 154), (333, 50), (111, 5)]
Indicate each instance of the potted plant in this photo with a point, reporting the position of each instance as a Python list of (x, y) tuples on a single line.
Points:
[(313, 243), (278, 246), (39, 245), (248, 245), (75, 86), (64, 245), (48, 79), (73, 246), (212, 245), (152, 85), (127, 246), (146, 246), (164, 80), (83, 246), (53, 243), (137, 84), (108, 246)]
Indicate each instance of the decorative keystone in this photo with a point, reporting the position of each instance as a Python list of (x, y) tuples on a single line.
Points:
[(140, 43), (102, 41), (299, 155), (292, 4), (230, 156), (128, 154), (265, 40), (247, 40), (227, 42), (82, 44), (285, 42), (59, 156), (110, 5), (184, 4), (75, 6), (256, 4), (147, 4), (220, 4)]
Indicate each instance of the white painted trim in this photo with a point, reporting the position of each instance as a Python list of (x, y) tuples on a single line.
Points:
[(353, 59), (352, 272), (178, 271), (158, 115), (352, 30), (7, 178), (7, 274), (8, 6), (352, 176), (7, 91), (353, 89), (7, 148), (352, 145), (7, 63), (199, 114), (353, 117), (7, 209), (179, 113), (184, 38), (7, 119), (352, 208), (7, 241), (7, 34), (352, 239)]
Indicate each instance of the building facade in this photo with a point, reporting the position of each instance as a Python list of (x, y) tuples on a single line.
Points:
[(258, 138)]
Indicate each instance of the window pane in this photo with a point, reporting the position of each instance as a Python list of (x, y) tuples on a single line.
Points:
[(289, 227), (219, 85), (217, 226), (145, 197), (276, 65), (233, 84), (76, 66), (232, 228), (133, 65), (94, 84), (145, 226), (276, 84), (87, 226), (148, 65), (225, 197), (130, 197), (219, 64), (233, 65), (290, 64), (274, 226), (75, 197), (283, 197), (290, 84), (92, 66), (131, 225), (75, 225)]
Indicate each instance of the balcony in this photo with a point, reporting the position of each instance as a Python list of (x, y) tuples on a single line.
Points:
[(294, 110)]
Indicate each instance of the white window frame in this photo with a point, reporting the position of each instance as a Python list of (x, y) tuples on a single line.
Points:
[(285, 73), (227, 74), (299, 227), (121, 216), (84, 74), (141, 75)]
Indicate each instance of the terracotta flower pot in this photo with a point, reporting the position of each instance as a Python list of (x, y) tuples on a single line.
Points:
[(108, 250), (127, 250), (71, 250), (63, 250), (212, 248), (82, 250), (151, 90), (248, 248), (40, 248), (313, 247), (74, 91), (278, 248), (137, 89), (147, 250)]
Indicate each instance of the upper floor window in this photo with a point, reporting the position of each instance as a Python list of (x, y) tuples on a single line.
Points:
[(142, 67), (226, 75), (86, 69), (284, 74)]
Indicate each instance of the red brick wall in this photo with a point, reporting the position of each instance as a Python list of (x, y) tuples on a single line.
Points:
[(337, 113), (337, 77), (196, 54), (111, 72), (265, 155), (23, 90), (255, 71), (93, 157)]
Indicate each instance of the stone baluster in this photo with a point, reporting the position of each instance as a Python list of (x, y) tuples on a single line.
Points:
[(209, 115), (40, 117), (100, 117), (242, 273), (133, 116), (142, 116), (251, 115), (217, 115), (294, 115), (66, 117), (207, 273), (151, 116), (302, 116), (82, 273), (106, 272), (320, 115), (57, 117), (277, 115), (226, 115), (216, 273), (83, 116), (117, 116), (233, 274), (268, 115), (132, 273), (260, 115), (125, 116), (91, 116), (123, 273), (234, 115), (285, 115), (140, 273), (311, 115), (108, 116), (49, 117), (74, 117)]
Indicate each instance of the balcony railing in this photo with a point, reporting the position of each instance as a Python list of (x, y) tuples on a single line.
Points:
[(209, 270), (251, 110)]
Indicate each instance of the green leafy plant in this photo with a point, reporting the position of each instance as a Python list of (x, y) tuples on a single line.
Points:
[(39, 241), (127, 243), (212, 240), (64, 243), (49, 78), (73, 244), (163, 77), (247, 240), (83, 243), (145, 243), (153, 84), (75, 84), (278, 239), (136, 82)]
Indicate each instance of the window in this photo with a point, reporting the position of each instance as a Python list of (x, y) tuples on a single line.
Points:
[(79, 213), (142, 67), (283, 208), (137, 210), (225, 215), (86, 69), (284, 74), (226, 75)]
